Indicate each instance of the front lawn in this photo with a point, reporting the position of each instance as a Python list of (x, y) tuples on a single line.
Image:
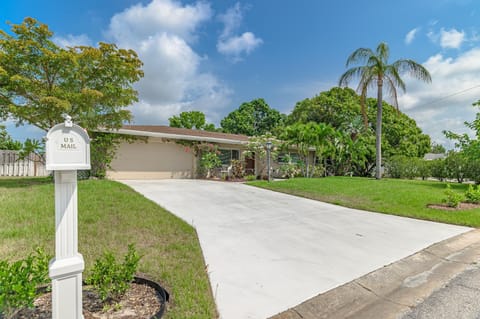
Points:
[(111, 215), (391, 196)]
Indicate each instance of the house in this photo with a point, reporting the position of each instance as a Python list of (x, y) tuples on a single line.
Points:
[(434, 156), (167, 153)]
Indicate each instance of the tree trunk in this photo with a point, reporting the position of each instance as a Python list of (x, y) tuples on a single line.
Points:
[(378, 174)]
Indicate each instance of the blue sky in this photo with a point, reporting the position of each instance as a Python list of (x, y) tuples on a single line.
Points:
[(214, 55)]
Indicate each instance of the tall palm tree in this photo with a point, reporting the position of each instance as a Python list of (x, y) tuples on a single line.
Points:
[(376, 71)]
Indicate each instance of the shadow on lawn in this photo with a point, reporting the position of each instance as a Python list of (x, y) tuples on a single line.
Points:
[(22, 182)]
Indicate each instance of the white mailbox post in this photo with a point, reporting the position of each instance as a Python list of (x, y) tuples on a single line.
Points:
[(67, 150)]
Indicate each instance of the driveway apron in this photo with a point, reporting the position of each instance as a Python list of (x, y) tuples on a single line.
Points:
[(267, 252)]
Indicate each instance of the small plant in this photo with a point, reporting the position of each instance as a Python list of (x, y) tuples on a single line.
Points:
[(111, 279), (237, 169), (208, 162), (472, 195), (250, 178), (19, 281), (452, 198)]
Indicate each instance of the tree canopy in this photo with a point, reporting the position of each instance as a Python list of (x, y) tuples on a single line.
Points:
[(41, 81), (191, 120), (7, 142), (375, 71), (252, 118)]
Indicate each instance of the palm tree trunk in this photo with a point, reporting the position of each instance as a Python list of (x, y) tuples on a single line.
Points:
[(378, 174)]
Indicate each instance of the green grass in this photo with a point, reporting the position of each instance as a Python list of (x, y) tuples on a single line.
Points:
[(390, 196), (111, 215)]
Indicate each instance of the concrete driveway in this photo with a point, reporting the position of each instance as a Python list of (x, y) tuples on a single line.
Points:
[(267, 251)]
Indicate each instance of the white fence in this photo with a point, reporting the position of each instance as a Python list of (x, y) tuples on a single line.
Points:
[(11, 165)]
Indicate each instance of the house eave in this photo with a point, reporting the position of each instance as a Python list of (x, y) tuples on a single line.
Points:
[(177, 136)]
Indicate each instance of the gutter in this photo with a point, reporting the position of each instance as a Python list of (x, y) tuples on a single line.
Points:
[(175, 136)]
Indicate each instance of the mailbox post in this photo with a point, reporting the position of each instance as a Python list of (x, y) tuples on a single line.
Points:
[(67, 150)]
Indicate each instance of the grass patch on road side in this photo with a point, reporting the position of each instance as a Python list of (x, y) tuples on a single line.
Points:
[(407, 198), (111, 215)]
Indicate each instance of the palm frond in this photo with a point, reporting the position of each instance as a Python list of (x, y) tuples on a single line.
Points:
[(383, 52), (359, 56), (413, 69), (390, 85), (350, 74)]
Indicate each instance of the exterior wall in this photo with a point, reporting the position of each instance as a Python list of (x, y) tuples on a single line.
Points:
[(153, 160)]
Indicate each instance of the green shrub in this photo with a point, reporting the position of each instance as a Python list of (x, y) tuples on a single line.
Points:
[(472, 195), (111, 279), (19, 281), (237, 169), (452, 198), (400, 166), (250, 178)]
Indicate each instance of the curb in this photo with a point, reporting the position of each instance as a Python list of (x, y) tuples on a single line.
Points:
[(397, 288)]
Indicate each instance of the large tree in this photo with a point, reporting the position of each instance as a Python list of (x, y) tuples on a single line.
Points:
[(252, 118), (377, 72), (191, 120), (41, 81)]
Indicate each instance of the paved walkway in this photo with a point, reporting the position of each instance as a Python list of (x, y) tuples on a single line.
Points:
[(267, 252)]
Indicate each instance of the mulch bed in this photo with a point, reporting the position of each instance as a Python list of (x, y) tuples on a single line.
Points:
[(140, 301), (461, 206)]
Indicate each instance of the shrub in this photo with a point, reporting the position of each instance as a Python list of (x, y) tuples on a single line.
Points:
[(401, 166), (237, 169), (438, 169), (472, 195), (208, 162), (19, 281), (452, 199), (111, 279), (250, 178)]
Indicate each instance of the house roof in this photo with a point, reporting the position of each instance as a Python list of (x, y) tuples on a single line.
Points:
[(176, 133), (433, 156)]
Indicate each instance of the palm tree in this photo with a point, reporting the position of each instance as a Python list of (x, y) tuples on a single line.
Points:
[(376, 71)]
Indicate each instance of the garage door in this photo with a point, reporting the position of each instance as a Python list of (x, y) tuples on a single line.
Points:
[(152, 160)]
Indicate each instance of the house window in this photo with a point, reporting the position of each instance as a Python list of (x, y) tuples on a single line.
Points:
[(226, 156)]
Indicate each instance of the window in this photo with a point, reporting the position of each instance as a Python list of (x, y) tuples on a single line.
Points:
[(226, 156)]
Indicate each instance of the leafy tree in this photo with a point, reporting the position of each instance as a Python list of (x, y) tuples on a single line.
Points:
[(252, 118), (6, 141), (400, 133), (40, 81), (191, 120), (376, 71), (304, 137), (437, 149), (256, 147), (354, 151), (338, 107)]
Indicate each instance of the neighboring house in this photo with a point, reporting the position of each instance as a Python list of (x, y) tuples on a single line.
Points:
[(433, 156), (163, 157)]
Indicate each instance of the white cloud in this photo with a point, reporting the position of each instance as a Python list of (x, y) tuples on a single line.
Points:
[(411, 35), (162, 32), (236, 45), (446, 103), (229, 43), (72, 40), (232, 19), (451, 39), (140, 22)]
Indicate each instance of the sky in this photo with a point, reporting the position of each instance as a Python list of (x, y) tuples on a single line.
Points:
[(214, 55)]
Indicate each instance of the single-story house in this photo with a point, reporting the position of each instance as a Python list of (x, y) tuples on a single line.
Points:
[(166, 155), (434, 156)]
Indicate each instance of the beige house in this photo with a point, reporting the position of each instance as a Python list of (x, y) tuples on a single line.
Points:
[(166, 153)]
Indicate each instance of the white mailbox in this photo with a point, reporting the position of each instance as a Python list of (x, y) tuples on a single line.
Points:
[(67, 147)]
